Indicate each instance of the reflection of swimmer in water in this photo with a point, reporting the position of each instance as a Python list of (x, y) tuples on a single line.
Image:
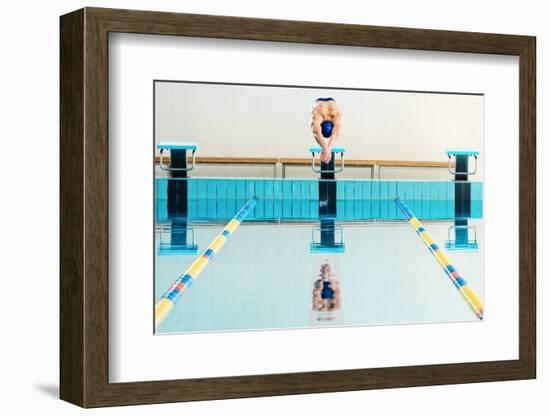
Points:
[(327, 293), (326, 120)]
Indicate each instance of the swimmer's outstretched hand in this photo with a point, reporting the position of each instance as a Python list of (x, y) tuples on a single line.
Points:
[(325, 154)]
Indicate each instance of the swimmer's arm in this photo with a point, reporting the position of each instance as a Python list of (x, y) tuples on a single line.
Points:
[(318, 135), (337, 123), (316, 129)]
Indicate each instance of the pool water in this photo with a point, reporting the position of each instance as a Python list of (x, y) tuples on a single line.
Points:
[(264, 276)]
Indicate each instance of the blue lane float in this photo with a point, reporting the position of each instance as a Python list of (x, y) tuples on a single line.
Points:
[(166, 303)]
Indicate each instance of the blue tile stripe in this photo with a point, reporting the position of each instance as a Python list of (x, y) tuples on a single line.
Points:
[(297, 199)]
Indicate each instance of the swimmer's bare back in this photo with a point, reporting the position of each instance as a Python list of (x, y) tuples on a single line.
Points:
[(326, 110)]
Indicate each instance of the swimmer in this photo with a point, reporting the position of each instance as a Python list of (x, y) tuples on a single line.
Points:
[(326, 121), (327, 293)]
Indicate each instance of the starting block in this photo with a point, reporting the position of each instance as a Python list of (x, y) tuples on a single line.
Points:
[(335, 150), (327, 243), (461, 158), (177, 148), (182, 240), (462, 240)]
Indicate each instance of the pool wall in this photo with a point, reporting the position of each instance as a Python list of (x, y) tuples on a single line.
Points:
[(211, 199)]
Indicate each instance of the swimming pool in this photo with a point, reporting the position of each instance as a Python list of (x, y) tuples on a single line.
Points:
[(264, 277)]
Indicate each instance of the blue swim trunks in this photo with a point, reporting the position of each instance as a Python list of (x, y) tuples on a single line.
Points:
[(327, 292)]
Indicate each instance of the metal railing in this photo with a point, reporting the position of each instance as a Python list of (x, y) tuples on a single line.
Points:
[(280, 164)]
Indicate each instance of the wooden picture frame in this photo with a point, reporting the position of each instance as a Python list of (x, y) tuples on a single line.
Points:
[(84, 207)]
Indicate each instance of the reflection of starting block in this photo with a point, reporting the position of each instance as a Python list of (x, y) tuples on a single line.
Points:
[(328, 167), (462, 158), (462, 240), (327, 241), (178, 156), (182, 240)]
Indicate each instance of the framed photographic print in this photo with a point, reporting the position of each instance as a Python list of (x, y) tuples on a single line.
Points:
[(255, 207)]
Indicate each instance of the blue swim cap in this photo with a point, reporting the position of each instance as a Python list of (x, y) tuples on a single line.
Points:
[(326, 128), (325, 99)]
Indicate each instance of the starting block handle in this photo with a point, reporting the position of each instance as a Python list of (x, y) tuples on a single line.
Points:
[(332, 246), (315, 150), (463, 242), (462, 154), (454, 171), (318, 228), (461, 227), (170, 169)]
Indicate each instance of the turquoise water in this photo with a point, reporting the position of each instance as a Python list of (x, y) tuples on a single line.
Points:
[(264, 277)]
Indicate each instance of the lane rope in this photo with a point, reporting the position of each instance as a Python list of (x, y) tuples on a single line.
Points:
[(439, 254), (166, 303)]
